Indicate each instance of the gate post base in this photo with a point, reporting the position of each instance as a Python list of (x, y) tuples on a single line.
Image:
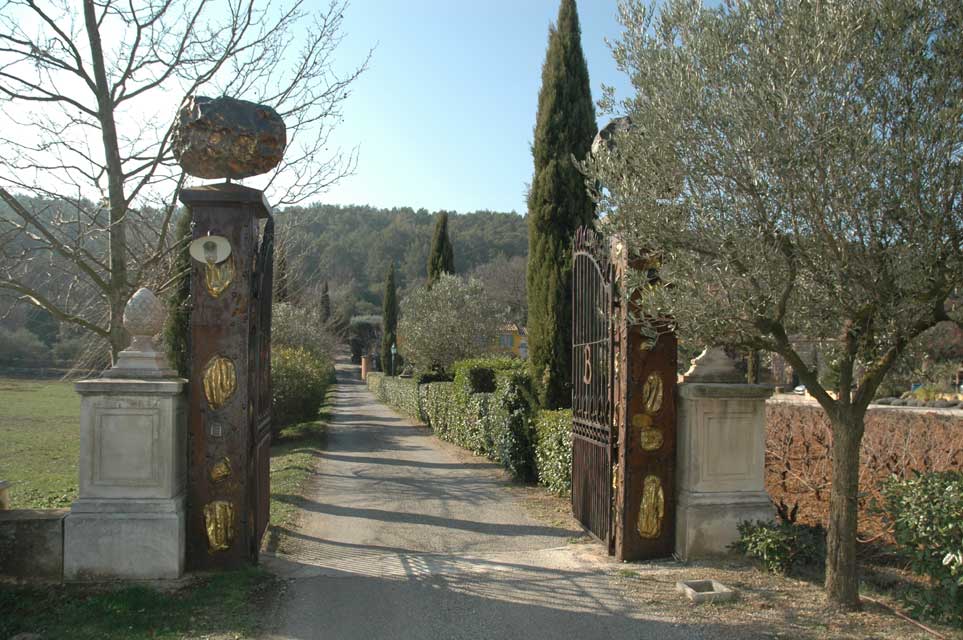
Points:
[(706, 523), (124, 540), (721, 465)]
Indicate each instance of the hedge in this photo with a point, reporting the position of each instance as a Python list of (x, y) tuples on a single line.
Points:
[(512, 408), (487, 409), (400, 393), (299, 380), (553, 450)]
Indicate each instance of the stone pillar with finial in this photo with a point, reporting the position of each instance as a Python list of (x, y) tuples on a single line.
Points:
[(129, 519), (721, 455)]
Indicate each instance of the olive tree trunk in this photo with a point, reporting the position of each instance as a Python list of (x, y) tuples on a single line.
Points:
[(842, 580)]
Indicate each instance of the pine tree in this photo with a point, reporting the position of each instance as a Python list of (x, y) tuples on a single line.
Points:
[(558, 204), (442, 257), (177, 330), (325, 304), (389, 319)]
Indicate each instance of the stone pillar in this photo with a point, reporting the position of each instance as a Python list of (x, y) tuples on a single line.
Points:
[(129, 520), (721, 456), (365, 367)]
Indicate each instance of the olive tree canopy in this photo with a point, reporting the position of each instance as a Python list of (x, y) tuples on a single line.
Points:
[(450, 321), (795, 167)]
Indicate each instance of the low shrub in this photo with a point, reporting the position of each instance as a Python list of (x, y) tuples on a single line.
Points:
[(299, 381), (926, 513), (781, 546), (553, 450)]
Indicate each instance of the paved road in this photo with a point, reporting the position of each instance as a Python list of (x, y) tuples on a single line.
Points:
[(402, 537)]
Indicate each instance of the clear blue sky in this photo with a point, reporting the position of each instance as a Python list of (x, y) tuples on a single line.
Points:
[(444, 115)]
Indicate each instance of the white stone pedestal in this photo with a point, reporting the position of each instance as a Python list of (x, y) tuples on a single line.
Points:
[(721, 465), (129, 520)]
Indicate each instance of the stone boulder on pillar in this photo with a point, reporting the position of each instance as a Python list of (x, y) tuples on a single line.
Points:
[(227, 138)]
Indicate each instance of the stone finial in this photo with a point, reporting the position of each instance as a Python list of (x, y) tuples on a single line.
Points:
[(714, 365), (143, 318)]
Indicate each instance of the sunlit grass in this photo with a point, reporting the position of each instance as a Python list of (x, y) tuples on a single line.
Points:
[(39, 442)]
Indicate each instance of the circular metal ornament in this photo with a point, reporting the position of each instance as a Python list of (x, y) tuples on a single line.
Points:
[(210, 249)]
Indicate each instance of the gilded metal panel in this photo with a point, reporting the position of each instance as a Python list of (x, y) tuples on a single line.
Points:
[(220, 381), (221, 471), (219, 520), (653, 508), (218, 277)]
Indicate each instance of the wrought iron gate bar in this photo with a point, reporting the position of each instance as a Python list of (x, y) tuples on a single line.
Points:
[(593, 437)]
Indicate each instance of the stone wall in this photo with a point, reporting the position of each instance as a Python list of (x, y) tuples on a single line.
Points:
[(32, 544)]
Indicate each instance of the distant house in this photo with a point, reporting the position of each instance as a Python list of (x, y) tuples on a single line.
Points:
[(512, 339)]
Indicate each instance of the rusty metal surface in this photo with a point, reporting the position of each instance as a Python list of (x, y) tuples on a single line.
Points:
[(224, 326), (260, 393), (593, 438), (645, 400)]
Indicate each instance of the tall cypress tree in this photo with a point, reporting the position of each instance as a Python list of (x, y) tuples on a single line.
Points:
[(558, 203), (177, 329), (325, 303), (389, 319), (442, 257)]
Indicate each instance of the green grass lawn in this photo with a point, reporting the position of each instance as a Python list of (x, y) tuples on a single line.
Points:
[(39, 441), (222, 606), (39, 429)]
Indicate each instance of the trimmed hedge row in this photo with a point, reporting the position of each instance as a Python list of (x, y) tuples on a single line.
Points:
[(400, 393), (490, 409), (553, 450)]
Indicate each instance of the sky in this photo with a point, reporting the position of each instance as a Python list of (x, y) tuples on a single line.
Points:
[(443, 116)]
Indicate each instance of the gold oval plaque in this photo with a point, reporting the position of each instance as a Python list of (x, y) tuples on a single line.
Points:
[(220, 381), (218, 277), (642, 421), (651, 439), (219, 519), (652, 393), (652, 509), (222, 470)]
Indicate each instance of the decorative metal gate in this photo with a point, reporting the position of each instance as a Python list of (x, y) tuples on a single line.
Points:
[(593, 436), (260, 380)]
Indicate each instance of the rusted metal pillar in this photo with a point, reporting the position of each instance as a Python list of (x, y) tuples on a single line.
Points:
[(645, 419), (229, 415)]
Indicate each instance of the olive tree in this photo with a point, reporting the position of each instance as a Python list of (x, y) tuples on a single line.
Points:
[(450, 321), (795, 168)]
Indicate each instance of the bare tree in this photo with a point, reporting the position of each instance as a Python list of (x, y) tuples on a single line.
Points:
[(798, 167), (504, 282), (89, 91)]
